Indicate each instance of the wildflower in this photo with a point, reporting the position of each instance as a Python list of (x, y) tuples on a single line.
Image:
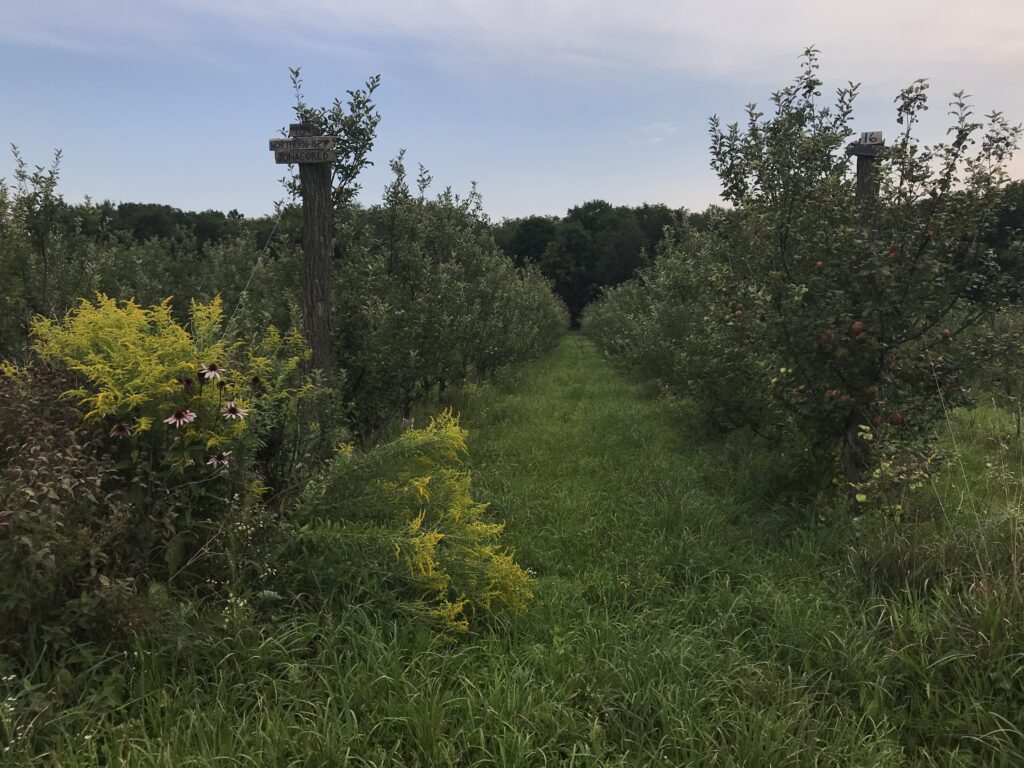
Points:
[(222, 385), (121, 431), (180, 417), (210, 371), (232, 411), (220, 459), (257, 384), (185, 384)]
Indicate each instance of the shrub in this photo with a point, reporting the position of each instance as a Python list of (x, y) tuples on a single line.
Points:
[(400, 519), (177, 398), (152, 479), (68, 534)]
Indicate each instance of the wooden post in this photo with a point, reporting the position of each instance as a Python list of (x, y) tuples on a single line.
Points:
[(313, 153), (866, 150)]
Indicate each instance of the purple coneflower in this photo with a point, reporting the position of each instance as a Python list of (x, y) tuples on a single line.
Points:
[(179, 417), (221, 459), (185, 384), (232, 411), (210, 371), (257, 384), (121, 431)]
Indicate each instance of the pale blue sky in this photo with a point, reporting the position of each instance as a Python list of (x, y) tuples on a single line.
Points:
[(545, 104)]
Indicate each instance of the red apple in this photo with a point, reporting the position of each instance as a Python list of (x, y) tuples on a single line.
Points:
[(819, 264), (857, 327), (895, 418), (825, 338), (893, 254), (946, 334)]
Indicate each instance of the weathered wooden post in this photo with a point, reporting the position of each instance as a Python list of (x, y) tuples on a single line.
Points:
[(314, 154), (866, 150)]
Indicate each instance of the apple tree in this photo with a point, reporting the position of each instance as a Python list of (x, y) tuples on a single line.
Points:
[(866, 299)]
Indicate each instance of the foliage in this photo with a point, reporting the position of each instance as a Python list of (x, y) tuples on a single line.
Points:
[(838, 310), (53, 253), (595, 245), (65, 526), (143, 373), (424, 299), (353, 125), (673, 324), (151, 492), (155, 477), (409, 500)]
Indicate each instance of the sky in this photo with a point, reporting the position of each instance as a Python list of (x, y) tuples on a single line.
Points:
[(544, 104)]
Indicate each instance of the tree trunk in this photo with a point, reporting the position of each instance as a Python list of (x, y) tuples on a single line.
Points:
[(317, 249)]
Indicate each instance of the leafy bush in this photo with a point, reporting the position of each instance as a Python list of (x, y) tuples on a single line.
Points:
[(401, 519), (141, 370), (69, 537), (154, 478)]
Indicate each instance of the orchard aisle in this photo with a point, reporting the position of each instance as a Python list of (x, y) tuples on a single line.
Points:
[(584, 468), (665, 628)]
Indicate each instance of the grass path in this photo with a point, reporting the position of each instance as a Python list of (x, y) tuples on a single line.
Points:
[(675, 623), (672, 625)]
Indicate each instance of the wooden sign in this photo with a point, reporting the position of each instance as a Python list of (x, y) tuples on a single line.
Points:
[(303, 129), (294, 156), (870, 144), (306, 142)]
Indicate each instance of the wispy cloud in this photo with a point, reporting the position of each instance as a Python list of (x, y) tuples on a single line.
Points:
[(653, 134), (734, 40)]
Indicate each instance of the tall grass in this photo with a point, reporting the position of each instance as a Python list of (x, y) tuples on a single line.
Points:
[(685, 614)]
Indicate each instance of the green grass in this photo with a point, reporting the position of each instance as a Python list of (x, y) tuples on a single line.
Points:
[(683, 616)]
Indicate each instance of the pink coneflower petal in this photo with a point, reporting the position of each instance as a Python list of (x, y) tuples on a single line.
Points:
[(232, 411), (121, 431), (221, 459), (210, 371), (180, 417)]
